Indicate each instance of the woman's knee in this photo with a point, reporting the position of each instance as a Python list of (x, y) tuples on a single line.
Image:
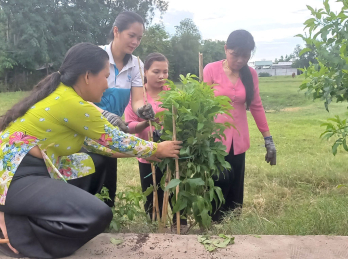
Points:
[(102, 217)]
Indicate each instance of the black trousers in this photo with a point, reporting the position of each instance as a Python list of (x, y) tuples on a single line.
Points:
[(146, 181), (47, 218), (106, 175), (231, 183)]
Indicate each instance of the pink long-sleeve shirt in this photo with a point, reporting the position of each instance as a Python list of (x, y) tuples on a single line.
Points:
[(213, 73), (132, 119)]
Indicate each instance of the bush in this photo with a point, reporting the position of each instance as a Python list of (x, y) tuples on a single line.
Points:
[(264, 74)]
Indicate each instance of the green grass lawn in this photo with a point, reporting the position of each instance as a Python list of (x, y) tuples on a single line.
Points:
[(298, 196)]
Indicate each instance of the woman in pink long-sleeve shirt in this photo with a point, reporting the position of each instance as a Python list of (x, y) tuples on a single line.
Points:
[(235, 79), (156, 71)]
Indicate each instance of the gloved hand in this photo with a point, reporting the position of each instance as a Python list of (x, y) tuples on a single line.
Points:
[(116, 121), (271, 155), (156, 135), (146, 112)]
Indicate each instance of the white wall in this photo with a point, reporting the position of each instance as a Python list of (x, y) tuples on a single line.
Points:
[(278, 71)]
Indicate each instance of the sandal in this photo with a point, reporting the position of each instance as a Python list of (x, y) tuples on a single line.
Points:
[(4, 249)]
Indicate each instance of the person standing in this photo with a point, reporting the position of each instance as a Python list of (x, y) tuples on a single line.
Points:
[(233, 77), (124, 81)]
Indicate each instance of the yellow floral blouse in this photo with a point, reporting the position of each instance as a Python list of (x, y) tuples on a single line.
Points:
[(60, 125)]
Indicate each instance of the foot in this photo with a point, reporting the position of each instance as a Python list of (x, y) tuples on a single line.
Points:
[(4, 231)]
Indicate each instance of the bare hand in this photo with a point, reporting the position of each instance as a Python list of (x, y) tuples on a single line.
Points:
[(153, 158), (168, 149), (4, 231)]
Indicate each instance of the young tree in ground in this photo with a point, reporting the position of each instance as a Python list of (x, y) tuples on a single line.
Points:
[(328, 80), (201, 156)]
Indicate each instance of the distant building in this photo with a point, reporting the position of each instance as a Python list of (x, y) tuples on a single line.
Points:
[(280, 69), (283, 65), (263, 64)]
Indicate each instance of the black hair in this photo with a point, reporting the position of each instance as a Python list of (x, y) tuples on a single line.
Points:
[(81, 58), (122, 22), (152, 57), (241, 41)]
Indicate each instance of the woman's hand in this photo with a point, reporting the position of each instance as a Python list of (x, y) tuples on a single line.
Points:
[(168, 149), (116, 121), (271, 155), (146, 112)]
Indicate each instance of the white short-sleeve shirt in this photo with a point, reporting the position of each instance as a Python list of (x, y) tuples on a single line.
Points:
[(116, 98)]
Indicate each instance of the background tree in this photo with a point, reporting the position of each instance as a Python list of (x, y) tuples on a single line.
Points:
[(39, 32), (304, 61), (213, 50), (185, 46), (328, 80)]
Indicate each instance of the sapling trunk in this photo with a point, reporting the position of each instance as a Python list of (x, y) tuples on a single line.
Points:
[(165, 200), (177, 174)]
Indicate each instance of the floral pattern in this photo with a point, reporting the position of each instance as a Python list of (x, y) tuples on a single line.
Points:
[(84, 127)]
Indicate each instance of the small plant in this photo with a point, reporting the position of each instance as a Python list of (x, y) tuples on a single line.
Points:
[(202, 156), (127, 206), (264, 74)]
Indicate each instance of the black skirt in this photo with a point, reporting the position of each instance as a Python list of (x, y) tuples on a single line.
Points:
[(48, 218)]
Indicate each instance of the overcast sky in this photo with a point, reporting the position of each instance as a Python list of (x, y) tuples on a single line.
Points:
[(273, 23)]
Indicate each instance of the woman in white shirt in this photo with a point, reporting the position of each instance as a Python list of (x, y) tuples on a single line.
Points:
[(124, 81)]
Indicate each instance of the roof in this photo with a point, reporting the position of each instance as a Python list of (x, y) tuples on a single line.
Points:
[(283, 64), (264, 63)]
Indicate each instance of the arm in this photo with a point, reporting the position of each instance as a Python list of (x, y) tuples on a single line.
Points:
[(137, 94), (259, 115), (137, 100), (257, 109), (135, 124), (87, 121)]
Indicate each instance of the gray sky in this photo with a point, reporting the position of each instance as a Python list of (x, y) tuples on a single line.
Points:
[(273, 23)]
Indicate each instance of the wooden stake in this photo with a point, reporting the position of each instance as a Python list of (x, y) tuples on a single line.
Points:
[(200, 60), (155, 207), (155, 199), (177, 174), (165, 200)]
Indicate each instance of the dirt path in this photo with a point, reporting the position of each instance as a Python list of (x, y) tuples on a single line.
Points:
[(158, 246)]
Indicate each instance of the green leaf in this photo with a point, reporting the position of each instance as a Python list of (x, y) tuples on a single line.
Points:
[(334, 148), (327, 6), (173, 183), (116, 241), (180, 204), (194, 182), (222, 244), (201, 239), (148, 191), (311, 9), (305, 50), (309, 22), (115, 225), (200, 126), (345, 146)]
